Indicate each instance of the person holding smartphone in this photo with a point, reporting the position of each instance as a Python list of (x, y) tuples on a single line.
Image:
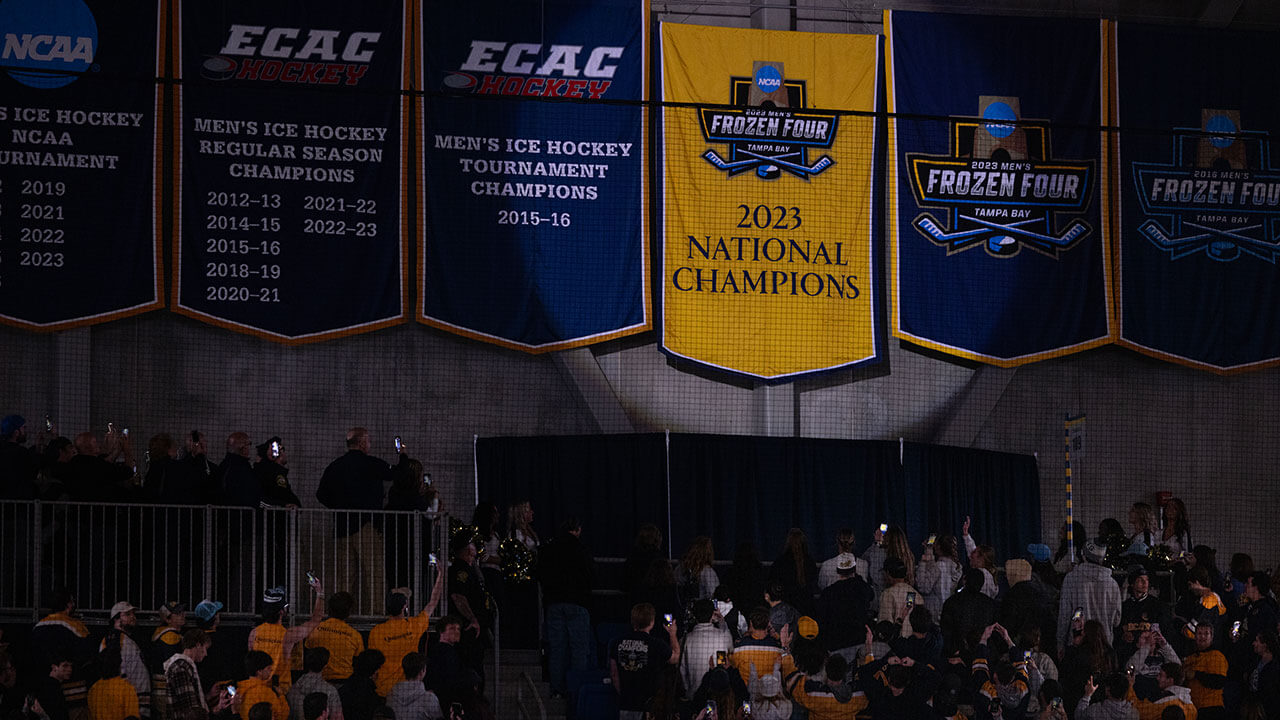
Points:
[(898, 598), (637, 659), (272, 472), (702, 644)]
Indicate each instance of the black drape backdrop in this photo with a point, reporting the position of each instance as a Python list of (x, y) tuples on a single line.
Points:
[(612, 483), (740, 488), (735, 488), (999, 491)]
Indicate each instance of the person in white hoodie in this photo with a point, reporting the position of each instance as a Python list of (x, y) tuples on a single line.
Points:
[(410, 699), (1089, 589)]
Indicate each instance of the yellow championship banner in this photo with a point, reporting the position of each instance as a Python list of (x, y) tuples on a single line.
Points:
[(769, 188)]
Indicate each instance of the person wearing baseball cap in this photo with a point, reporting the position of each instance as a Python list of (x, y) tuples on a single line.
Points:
[(224, 657), (124, 620), (166, 641), (1140, 612), (272, 638), (844, 606), (19, 465)]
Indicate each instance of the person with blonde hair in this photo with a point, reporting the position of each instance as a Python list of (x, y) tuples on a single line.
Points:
[(520, 524), (1142, 518)]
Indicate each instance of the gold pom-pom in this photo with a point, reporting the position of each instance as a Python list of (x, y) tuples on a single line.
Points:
[(516, 560)]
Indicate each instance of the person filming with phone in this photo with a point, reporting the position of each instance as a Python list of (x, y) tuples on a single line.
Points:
[(636, 661), (272, 472)]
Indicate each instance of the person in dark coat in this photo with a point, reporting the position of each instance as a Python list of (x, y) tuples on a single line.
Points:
[(966, 614), (567, 572), (844, 607), (272, 474), (239, 487), (359, 694), (357, 481)]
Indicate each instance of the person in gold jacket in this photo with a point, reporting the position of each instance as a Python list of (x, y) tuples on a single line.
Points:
[(112, 697), (272, 638), (258, 688)]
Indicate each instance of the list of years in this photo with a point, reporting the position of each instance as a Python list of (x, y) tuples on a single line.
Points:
[(40, 142), (250, 237)]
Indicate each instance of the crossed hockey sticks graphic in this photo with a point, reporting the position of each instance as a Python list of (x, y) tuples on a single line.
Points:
[(805, 171)]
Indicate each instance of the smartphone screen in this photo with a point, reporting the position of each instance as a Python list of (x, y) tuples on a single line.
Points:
[(932, 539), (426, 479), (884, 527), (399, 444), (911, 599), (722, 657), (275, 449), (1079, 613), (667, 617)]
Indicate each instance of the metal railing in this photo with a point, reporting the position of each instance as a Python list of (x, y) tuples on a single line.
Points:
[(150, 554)]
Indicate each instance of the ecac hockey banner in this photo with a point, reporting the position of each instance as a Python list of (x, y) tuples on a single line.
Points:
[(999, 228), (79, 161), (769, 200), (1200, 203), (534, 159), (290, 220)]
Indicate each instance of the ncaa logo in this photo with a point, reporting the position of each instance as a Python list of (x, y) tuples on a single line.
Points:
[(768, 80), (47, 43)]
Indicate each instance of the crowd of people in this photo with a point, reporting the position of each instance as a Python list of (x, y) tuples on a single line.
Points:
[(944, 632), (1131, 623), (88, 468), (188, 668)]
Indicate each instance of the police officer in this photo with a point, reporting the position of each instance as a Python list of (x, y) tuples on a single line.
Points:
[(272, 472)]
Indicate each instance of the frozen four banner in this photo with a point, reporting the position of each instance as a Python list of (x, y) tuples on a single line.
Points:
[(1200, 202), (769, 197), (290, 221), (999, 228), (534, 192), (79, 158)]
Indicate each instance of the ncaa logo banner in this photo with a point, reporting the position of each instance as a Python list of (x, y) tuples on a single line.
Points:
[(534, 160), (79, 161), (769, 198), (291, 223), (1200, 204), (999, 229)]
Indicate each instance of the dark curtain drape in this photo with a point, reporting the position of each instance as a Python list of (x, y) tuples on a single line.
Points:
[(612, 483), (1000, 491), (736, 489)]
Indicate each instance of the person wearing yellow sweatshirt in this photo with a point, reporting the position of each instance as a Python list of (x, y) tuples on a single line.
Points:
[(258, 687)]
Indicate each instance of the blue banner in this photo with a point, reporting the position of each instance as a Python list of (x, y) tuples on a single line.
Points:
[(291, 223), (79, 161), (534, 191), (1199, 203), (998, 223)]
